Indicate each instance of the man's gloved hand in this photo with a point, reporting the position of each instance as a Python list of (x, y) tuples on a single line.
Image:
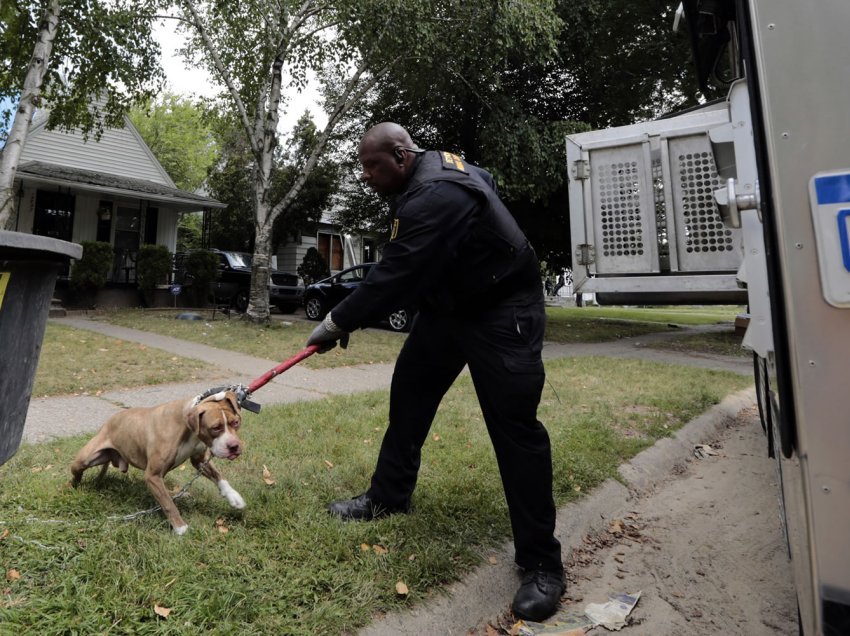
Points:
[(327, 334)]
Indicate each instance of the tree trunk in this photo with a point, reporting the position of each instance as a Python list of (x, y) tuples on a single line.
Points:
[(258, 304), (11, 154)]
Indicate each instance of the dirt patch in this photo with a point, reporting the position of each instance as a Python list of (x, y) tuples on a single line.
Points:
[(705, 549)]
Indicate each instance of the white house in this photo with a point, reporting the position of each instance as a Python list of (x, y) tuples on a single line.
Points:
[(340, 249), (110, 189)]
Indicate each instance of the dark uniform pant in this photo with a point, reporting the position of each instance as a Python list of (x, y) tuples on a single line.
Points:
[(502, 347)]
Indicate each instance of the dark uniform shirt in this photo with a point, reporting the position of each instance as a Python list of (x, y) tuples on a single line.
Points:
[(454, 247)]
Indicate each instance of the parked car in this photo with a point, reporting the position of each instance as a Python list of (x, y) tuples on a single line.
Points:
[(233, 287), (324, 295)]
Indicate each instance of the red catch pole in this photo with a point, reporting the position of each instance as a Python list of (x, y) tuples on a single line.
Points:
[(283, 366)]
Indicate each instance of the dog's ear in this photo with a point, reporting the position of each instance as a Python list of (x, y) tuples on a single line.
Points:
[(234, 403), (193, 419)]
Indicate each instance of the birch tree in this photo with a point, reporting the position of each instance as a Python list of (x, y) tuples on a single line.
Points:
[(263, 51), (66, 53)]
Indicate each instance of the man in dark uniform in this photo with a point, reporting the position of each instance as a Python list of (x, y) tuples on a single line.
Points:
[(456, 252)]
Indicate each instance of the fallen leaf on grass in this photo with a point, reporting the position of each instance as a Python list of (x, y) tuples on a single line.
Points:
[(12, 575), (437, 437), (616, 527), (4, 534), (223, 529), (401, 589), (328, 464), (267, 476), (379, 549), (365, 547), (161, 611), (492, 560)]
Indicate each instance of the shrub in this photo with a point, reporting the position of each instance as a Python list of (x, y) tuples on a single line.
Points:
[(201, 268), (153, 265), (91, 272), (314, 267)]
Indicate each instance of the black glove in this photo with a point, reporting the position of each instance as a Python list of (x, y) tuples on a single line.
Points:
[(327, 334)]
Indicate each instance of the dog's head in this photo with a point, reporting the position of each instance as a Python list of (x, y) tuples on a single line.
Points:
[(216, 421)]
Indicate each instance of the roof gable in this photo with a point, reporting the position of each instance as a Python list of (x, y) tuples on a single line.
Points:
[(119, 151)]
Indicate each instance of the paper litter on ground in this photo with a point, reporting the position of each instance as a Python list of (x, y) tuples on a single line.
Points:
[(612, 615)]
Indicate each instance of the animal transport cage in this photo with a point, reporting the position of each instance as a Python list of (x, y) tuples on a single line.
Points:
[(645, 227)]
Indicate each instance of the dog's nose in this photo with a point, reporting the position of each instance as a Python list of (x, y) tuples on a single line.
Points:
[(234, 448)]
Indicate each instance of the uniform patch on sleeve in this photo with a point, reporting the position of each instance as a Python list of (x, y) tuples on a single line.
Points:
[(452, 162), (394, 230), (4, 281)]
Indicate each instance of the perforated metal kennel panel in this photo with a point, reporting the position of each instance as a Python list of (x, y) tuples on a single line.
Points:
[(703, 242), (624, 223)]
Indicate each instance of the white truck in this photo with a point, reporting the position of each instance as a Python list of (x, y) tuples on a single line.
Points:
[(750, 195)]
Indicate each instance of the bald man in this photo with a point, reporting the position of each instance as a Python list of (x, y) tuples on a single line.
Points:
[(456, 253)]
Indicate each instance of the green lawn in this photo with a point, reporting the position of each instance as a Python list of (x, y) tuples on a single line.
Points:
[(283, 566), (77, 362)]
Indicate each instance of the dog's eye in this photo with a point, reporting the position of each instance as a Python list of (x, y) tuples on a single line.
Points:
[(235, 424), (217, 428)]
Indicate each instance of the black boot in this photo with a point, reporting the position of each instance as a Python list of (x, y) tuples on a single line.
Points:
[(363, 508), (539, 595)]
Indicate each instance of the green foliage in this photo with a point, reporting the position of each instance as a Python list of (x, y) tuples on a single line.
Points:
[(189, 232), (232, 182), (91, 272), (508, 109), (313, 267), (101, 48), (153, 264), (202, 269), (175, 130)]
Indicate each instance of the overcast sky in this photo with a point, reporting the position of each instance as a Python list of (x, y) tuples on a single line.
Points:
[(183, 81), (189, 82)]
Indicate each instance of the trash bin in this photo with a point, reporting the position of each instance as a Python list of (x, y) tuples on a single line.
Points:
[(28, 268)]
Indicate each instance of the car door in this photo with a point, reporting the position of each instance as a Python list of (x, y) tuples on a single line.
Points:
[(346, 282)]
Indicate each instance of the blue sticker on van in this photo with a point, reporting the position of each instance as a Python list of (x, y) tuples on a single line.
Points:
[(833, 189)]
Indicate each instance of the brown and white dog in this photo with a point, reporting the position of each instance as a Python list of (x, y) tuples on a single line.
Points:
[(160, 438)]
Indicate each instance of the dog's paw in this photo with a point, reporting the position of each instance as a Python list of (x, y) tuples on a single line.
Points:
[(181, 530), (235, 500), (233, 497)]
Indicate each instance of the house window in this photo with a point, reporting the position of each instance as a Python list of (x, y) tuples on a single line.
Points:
[(330, 247), (54, 215), (104, 221)]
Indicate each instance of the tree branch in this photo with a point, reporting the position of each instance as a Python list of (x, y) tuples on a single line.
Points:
[(225, 75)]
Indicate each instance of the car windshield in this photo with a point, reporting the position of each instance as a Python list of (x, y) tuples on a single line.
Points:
[(241, 259)]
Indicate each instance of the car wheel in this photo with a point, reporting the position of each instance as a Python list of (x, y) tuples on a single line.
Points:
[(240, 301), (314, 308), (400, 320)]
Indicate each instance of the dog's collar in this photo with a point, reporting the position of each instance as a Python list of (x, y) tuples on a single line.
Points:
[(217, 394)]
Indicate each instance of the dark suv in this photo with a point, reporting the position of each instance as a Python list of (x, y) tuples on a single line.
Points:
[(233, 287), (324, 295)]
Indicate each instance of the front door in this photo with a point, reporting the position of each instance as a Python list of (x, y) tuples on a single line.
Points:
[(127, 225)]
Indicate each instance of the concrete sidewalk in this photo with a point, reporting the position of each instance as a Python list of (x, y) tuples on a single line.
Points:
[(486, 593), (69, 415)]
